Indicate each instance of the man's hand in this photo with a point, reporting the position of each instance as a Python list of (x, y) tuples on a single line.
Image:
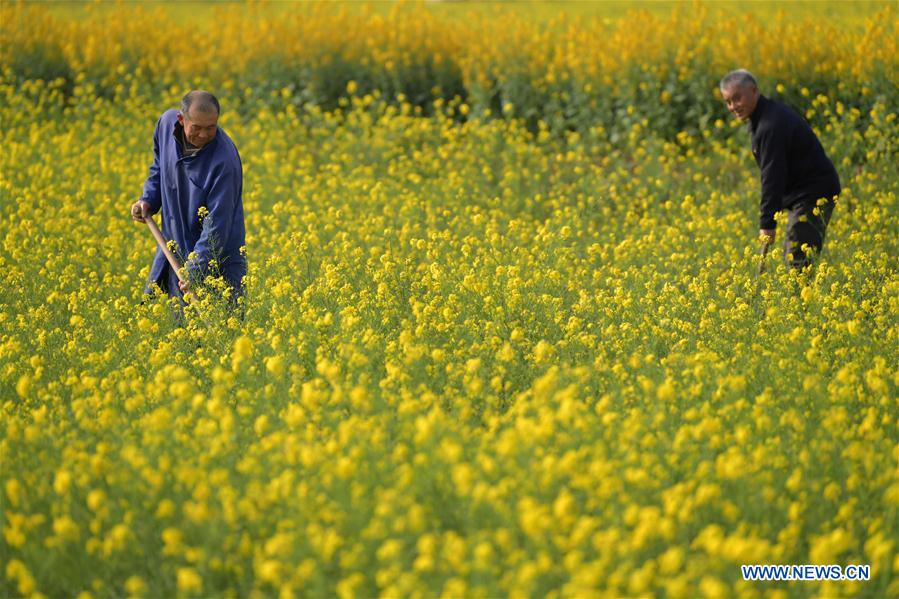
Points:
[(766, 235), (184, 286), (140, 211)]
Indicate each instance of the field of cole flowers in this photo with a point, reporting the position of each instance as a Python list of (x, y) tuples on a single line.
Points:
[(503, 332)]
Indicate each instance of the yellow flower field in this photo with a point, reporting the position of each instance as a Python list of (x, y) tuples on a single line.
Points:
[(503, 334)]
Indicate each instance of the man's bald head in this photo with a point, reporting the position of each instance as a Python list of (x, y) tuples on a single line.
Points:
[(739, 77), (200, 101), (199, 116), (740, 93)]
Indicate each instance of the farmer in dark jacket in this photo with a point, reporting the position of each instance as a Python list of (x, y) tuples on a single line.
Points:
[(196, 179), (796, 174)]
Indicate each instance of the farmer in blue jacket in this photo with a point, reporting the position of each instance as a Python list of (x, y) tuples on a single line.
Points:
[(196, 180)]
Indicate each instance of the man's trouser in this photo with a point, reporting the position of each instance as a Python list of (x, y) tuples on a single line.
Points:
[(169, 282), (806, 225)]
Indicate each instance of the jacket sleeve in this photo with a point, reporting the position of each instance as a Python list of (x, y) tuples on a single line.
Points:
[(773, 166), (221, 202), (151, 193)]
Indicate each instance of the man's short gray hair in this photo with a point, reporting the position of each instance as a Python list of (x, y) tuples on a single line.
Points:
[(740, 77), (200, 100)]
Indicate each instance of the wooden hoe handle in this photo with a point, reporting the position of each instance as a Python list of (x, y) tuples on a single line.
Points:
[(160, 241)]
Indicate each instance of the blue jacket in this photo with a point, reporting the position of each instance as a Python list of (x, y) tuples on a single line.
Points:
[(213, 178)]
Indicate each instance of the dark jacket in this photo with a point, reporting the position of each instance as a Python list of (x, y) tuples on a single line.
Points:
[(794, 167), (213, 179)]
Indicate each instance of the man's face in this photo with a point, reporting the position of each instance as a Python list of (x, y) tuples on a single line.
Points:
[(741, 99), (199, 127)]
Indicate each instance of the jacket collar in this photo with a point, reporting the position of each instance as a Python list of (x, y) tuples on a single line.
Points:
[(757, 113)]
